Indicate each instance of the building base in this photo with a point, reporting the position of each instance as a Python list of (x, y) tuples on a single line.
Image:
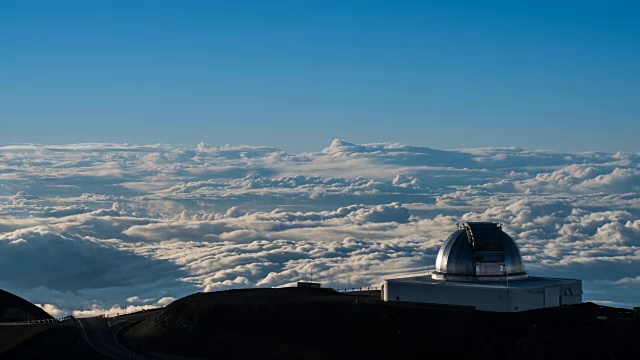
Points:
[(499, 296)]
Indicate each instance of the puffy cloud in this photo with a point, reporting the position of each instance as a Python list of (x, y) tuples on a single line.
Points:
[(586, 178), (633, 281), (618, 180), (111, 311), (165, 301), (52, 310), (381, 213)]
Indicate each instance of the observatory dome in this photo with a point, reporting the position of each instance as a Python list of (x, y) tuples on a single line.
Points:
[(479, 251)]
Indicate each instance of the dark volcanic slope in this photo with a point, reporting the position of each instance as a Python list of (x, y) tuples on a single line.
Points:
[(55, 340), (15, 308), (320, 323)]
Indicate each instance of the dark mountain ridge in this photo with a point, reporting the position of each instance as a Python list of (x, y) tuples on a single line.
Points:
[(318, 323), (322, 323)]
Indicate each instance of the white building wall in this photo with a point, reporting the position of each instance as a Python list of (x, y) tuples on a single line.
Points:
[(526, 299), (570, 300), (571, 293), (489, 298), (551, 296)]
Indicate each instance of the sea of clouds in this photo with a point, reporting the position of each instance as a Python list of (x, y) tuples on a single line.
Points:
[(106, 228)]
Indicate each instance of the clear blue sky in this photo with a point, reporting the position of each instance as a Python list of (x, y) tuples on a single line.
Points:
[(562, 75)]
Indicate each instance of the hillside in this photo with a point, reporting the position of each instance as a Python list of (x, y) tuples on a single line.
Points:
[(321, 323), (55, 340), (15, 308), (58, 339)]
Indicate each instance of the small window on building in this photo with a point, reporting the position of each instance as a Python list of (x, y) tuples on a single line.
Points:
[(397, 298)]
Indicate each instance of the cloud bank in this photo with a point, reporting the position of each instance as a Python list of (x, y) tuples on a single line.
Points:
[(95, 228)]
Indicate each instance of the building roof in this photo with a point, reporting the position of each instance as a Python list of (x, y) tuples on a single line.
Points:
[(479, 251)]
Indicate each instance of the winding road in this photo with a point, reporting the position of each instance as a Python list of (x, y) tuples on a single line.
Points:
[(101, 334)]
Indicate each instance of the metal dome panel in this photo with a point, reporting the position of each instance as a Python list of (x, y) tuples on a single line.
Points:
[(455, 254), (479, 251)]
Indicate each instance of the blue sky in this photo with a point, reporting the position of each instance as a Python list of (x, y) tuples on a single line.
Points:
[(296, 74)]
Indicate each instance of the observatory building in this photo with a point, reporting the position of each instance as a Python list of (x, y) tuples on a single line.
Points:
[(480, 267)]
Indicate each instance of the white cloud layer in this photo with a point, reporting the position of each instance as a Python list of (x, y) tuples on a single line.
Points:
[(104, 228)]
